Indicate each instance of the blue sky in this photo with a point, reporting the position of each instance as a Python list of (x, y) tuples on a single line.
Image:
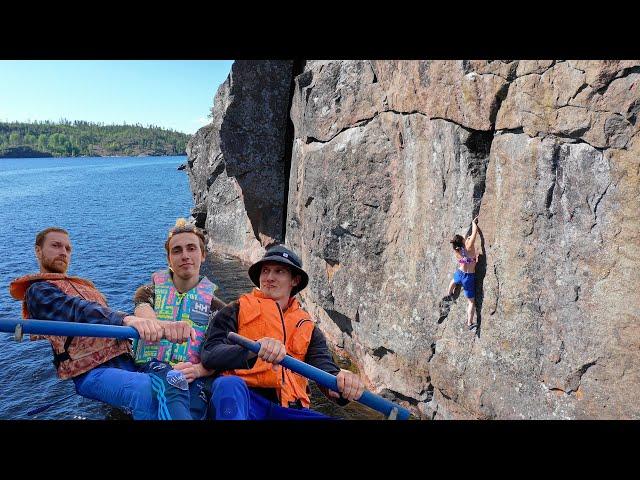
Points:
[(174, 94)]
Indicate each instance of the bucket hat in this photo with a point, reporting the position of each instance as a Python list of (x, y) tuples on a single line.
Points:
[(280, 254)]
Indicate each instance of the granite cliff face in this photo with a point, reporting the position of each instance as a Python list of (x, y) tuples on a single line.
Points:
[(235, 164), (385, 160)]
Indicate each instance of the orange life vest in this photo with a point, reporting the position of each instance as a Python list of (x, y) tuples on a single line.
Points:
[(82, 353), (259, 317)]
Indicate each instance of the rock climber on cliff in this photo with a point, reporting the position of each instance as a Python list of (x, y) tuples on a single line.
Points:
[(465, 252)]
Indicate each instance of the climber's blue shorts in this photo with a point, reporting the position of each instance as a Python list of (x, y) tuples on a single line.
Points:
[(468, 282)]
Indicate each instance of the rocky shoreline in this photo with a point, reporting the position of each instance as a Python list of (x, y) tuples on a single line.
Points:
[(23, 152)]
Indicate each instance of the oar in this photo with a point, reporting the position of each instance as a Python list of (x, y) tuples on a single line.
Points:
[(327, 380), (46, 407), (53, 327), (66, 329)]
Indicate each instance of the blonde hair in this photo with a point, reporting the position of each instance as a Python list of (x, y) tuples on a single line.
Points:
[(182, 226)]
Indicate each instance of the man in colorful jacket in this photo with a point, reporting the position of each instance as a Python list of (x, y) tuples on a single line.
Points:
[(181, 294), (101, 368), (254, 386)]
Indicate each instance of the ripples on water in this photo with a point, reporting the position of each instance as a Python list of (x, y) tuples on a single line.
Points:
[(117, 211)]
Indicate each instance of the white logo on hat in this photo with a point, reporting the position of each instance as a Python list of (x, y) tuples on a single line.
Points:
[(285, 255)]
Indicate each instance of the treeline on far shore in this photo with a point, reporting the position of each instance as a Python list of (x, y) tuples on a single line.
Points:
[(87, 139)]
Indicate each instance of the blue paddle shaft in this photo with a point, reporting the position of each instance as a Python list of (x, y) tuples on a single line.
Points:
[(325, 379), (67, 329), (46, 407)]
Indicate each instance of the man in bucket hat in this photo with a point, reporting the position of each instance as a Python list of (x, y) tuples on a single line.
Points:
[(256, 387)]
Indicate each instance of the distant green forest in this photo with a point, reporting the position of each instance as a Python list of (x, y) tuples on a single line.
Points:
[(78, 138)]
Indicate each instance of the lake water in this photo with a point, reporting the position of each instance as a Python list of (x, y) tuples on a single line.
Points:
[(117, 211)]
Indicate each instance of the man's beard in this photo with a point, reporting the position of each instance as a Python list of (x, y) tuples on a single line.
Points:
[(52, 266)]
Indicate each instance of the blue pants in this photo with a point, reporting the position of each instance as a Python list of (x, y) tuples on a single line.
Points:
[(468, 282), (143, 390), (231, 399)]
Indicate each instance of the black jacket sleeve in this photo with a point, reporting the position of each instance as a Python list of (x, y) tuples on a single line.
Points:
[(319, 356), (217, 352)]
